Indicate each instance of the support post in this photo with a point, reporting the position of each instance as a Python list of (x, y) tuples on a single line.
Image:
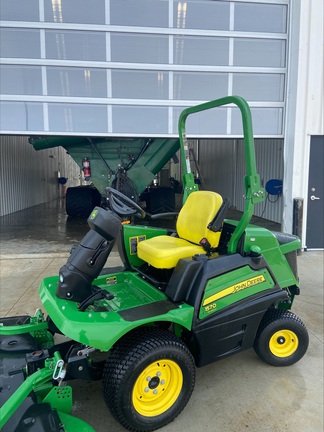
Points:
[(298, 210)]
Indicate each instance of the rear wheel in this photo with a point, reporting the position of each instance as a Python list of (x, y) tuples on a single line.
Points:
[(282, 338), (148, 379), (81, 200)]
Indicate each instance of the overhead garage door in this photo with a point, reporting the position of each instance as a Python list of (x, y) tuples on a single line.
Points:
[(112, 67)]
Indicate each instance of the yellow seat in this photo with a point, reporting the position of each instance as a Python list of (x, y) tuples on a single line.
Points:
[(197, 213)]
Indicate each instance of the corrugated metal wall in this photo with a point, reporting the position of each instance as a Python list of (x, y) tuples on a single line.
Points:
[(270, 163), (28, 178), (217, 164), (223, 167)]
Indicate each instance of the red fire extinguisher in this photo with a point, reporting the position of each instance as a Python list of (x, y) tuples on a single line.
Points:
[(86, 168)]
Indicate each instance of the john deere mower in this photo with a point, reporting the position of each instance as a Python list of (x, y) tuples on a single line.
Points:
[(182, 299)]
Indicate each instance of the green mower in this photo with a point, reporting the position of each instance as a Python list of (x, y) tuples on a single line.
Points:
[(182, 299)]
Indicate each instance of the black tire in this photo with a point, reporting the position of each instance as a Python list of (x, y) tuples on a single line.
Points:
[(148, 379), (282, 338), (81, 200)]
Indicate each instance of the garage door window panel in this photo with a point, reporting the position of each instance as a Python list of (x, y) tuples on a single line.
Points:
[(20, 43), (140, 84), (77, 118), (260, 52), (130, 13), (75, 11), (79, 82), (257, 17), (138, 48), (25, 80), (19, 10), (75, 45), (266, 121), (202, 14), (259, 87), (140, 119), (199, 86), (207, 51), (21, 116), (210, 122)]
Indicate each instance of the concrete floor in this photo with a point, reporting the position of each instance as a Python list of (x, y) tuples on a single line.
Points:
[(240, 393), (46, 228)]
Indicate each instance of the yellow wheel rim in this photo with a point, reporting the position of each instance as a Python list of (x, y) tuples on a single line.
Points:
[(157, 388), (283, 343)]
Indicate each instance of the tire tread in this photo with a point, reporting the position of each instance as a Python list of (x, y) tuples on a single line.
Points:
[(283, 318)]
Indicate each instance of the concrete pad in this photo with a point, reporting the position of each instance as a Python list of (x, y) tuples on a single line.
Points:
[(18, 276), (21, 275), (240, 393)]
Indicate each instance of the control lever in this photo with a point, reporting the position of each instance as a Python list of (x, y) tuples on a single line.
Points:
[(98, 294)]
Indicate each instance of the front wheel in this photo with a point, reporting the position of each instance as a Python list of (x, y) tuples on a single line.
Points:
[(148, 379), (282, 338)]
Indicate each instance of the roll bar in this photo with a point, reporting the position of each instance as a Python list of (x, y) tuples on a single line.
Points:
[(254, 193)]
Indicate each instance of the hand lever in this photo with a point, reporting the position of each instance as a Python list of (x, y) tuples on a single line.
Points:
[(97, 295)]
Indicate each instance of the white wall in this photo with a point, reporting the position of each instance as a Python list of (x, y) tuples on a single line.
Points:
[(305, 101), (28, 177)]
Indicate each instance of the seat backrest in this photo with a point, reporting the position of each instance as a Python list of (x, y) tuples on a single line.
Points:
[(197, 213)]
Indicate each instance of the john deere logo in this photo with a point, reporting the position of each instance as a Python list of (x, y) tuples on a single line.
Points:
[(235, 289), (93, 214)]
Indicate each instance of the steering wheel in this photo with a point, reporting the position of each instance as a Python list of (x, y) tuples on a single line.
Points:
[(123, 205)]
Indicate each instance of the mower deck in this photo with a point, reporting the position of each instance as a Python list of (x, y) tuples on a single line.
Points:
[(37, 404)]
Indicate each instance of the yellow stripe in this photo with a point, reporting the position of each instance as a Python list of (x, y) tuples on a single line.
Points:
[(234, 289)]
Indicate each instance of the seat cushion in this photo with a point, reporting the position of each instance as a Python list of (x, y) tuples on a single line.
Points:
[(165, 251), (194, 218), (197, 213)]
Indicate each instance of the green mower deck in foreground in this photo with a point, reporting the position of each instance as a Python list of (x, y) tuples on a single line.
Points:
[(143, 328)]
